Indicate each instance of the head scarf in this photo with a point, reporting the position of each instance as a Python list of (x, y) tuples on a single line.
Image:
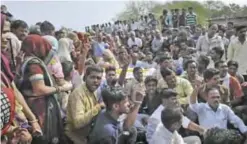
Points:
[(37, 46), (65, 47), (113, 60), (52, 40), (73, 36), (4, 60)]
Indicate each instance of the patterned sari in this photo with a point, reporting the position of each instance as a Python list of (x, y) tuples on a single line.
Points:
[(46, 108), (36, 67)]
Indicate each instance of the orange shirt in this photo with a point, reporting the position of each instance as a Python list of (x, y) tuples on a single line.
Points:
[(235, 88)]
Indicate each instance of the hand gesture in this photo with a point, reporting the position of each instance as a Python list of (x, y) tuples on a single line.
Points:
[(86, 48), (244, 84), (197, 84), (66, 87), (126, 60), (101, 104), (139, 93), (36, 128), (20, 58)]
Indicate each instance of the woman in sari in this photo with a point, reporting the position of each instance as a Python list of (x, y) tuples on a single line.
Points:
[(65, 47), (38, 88), (108, 59), (13, 105)]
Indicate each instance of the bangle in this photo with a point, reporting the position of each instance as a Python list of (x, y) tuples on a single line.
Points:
[(33, 121), (138, 102), (58, 90)]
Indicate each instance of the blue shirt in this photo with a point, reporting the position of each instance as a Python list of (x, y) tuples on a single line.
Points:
[(102, 85), (99, 48), (219, 118), (105, 127)]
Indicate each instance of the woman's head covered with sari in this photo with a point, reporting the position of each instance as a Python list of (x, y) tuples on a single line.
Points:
[(109, 57), (4, 60), (52, 40), (65, 47), (36, 45)]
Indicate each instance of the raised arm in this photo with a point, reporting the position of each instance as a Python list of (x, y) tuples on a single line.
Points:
[(131, 117), (82, 57), (123, 73)]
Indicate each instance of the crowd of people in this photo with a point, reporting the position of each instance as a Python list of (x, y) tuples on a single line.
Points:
[(146, 81)]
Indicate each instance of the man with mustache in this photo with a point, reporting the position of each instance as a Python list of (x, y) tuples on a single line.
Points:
[(213, 113)]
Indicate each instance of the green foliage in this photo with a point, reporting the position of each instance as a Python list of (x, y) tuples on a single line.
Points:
[(205, 10)]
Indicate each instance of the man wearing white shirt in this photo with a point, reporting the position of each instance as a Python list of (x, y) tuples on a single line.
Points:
[(133, 40), (166, 132), (208, 41), (169, 98), (238, 48), (213, 113), (133, 25), (157, 41)]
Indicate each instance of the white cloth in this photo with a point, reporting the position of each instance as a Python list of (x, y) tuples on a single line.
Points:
[(205, 44), (137, 42), (155, 120), (210, 119), (237, 52), (226, 81), (157, 44), (16, 43), (134, 26), (164, 136), (65, 47), (52, 40)]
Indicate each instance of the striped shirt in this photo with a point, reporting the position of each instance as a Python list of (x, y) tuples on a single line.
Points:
[(191, 19)]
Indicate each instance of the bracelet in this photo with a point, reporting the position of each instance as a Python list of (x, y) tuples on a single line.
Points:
[(33, 121), (138, 102), (58, 90)]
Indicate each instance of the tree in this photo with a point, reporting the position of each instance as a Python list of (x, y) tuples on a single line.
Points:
[(204, 11), (134, 9)]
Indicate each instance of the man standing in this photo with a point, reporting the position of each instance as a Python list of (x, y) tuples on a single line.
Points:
[(237, 49), (182, 18), (176, 18), (157, 41), (191, 17), (209, 40)]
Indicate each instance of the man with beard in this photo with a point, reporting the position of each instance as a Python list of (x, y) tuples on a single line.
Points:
[(111, 79), (107, 128), (83, 106), (213, 113)]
